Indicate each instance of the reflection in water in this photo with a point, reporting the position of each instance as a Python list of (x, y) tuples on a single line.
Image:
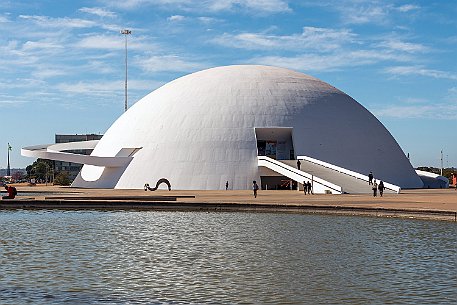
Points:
[(225, 258)]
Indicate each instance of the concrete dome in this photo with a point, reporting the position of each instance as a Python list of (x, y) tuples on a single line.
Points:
[(202, 130)]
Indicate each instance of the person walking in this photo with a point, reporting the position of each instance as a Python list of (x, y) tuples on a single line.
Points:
[(370, 178), (375, 188), (305, 187), (226, 185), (381, 188), (255, 188), (298, 164), (309, 187)]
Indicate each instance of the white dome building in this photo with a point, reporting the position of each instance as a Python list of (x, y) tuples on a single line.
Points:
[(204, 129)]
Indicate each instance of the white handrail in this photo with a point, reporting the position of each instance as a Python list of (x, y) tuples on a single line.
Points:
[(295, 174), (348, 172)]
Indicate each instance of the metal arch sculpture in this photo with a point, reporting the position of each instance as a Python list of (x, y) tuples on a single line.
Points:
[(162, 180)]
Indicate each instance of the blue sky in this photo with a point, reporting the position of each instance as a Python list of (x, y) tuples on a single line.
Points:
[(62, 62)]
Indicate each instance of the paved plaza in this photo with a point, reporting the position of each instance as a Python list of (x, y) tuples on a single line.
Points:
[(419, 202)]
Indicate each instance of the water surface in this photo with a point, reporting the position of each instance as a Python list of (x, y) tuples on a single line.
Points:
[(119, 257)]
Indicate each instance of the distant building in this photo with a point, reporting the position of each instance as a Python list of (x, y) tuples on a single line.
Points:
[(73, 168), (3, 171)]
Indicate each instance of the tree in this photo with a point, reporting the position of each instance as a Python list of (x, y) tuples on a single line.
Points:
[(17, 176), (62, 179), (41, 169)]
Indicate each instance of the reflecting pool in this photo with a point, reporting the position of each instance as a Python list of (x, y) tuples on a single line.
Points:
[(128, 257)]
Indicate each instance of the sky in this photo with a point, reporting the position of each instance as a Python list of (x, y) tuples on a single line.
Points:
[(62, 62)]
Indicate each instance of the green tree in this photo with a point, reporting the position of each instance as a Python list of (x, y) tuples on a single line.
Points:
[(40, 169), (62, 179)]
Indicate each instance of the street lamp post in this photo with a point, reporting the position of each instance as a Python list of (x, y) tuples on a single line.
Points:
[(441, 173), (126, 33), (8, 169)]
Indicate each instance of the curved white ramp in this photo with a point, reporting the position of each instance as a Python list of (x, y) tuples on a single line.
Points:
[(351, 182), (57, 152), (320, 186), (108, 168), (326, 176)]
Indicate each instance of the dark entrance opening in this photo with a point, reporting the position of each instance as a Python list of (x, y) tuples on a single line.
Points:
[(275, 143)]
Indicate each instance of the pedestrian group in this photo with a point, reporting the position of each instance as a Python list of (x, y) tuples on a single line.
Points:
[(307, 187), (375, 185)]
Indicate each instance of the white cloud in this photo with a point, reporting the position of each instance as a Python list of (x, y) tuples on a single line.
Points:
[(207, 20), (421, 71), (421, 108), (108, 42), (65, 22), (414, 100), (144, 85), (101, 12), (99, 66), (271, 6), (361, 13), (110, 27), (261, 6), (168, 63), (13, 57), (91, 88), (311, 38), (13, 102), (44, 72), (404, 46), (22, 83), (376, 55), (308, 62), (324, 49), (329, 62), (407, 7), (128, 4), (115, 42), (176, 18), (4, 19), (437, 111), (41, 45), (108, 88), (451, 96)]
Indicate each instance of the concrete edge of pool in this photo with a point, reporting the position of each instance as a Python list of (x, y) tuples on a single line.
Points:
[(435, 204), (70, 204)]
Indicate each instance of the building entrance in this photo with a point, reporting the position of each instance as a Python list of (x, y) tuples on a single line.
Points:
[(275, 143)]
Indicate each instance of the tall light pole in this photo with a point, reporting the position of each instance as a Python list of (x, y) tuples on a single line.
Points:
[(126, 33), (8, 169), (441, 163)]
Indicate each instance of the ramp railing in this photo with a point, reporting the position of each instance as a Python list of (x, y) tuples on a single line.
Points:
[(319, 185), (348, 172)]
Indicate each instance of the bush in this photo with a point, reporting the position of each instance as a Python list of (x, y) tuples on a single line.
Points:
[(62, 179)]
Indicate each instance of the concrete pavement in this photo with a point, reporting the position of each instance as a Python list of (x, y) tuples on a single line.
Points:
[(421, 203)]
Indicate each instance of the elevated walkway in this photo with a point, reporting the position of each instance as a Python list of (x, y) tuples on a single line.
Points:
[(319, 185), (60, 152), (325, 177)]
